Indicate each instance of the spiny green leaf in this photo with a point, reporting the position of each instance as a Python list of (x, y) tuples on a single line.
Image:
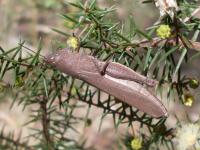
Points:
[(70, 18), (61, 32)]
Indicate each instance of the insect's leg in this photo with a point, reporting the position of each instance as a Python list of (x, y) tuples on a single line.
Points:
[(107, 62), (97, 65), (103, 70)]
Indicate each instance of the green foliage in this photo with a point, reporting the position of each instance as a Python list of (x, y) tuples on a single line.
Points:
[(48, 4), (56, 95)]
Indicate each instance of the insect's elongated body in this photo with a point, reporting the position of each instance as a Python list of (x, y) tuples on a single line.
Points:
[(118, 80)]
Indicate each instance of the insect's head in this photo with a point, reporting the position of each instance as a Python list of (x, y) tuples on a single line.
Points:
[(52, 59)]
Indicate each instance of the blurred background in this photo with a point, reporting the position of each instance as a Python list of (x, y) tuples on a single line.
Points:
[(33, 21)]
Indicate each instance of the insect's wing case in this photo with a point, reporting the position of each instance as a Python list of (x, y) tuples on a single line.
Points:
[(129, 92)]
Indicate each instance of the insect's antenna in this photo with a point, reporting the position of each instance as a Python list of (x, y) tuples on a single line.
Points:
[(32, 51)]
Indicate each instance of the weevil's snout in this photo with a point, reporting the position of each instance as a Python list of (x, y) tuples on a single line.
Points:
[(52, 59)]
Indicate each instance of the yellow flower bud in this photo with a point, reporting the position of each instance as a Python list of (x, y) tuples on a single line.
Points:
[(163, 31), (188, 100), (136, 143), (194, 83), (73, 42)]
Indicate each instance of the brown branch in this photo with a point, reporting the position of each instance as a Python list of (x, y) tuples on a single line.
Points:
[(45, 121), (157, 42)]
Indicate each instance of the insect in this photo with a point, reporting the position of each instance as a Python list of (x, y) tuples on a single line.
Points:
[(110, 77)]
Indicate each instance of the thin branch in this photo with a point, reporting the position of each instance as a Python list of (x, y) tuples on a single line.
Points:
[(45, 121), (158, 41)]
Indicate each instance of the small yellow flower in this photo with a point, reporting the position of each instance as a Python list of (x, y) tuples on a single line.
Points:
[(188, 100), (73, 42), (194, 83), (136, 144), (163, 31)]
